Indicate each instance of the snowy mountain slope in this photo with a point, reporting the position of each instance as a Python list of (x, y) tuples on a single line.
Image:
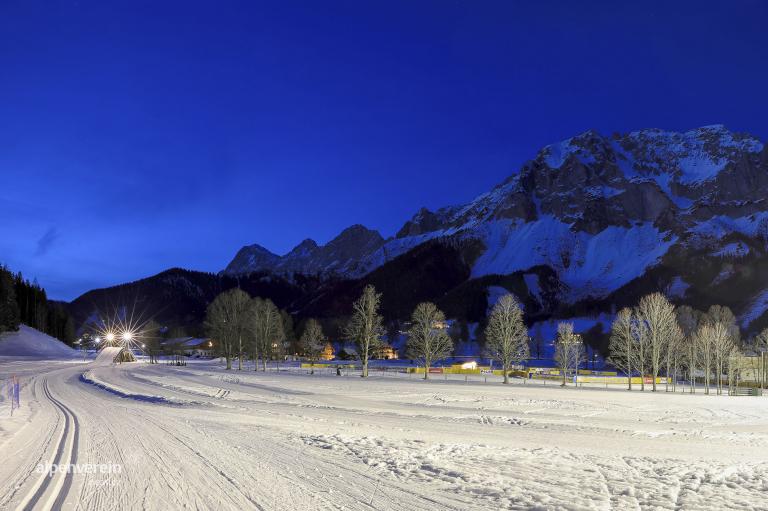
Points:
[(600, 211)]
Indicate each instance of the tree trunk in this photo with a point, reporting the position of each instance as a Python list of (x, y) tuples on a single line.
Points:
[(229, 362), (707, 371), (720, 377), (506, 373), (426, 370), (365, 368)]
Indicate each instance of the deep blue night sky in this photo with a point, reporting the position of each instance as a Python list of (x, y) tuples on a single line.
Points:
[(137, 138)]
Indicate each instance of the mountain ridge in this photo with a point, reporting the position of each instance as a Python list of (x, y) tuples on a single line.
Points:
[(588, 225), (640, 193)]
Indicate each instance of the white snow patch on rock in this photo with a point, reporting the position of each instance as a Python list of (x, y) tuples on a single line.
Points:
[(732, 250), (587, 264), (677, 288), (756, 308)]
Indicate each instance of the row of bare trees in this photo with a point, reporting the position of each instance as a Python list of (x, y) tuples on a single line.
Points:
[(244, 325), (428, 341), (652, 339), (656, 338)]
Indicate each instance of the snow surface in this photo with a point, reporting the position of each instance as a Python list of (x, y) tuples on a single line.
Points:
[(556, 154), (719, 226), (287, 440), (678, 287), (532, 283), (589, 265), (756, 308), (690, 153), (28, 342), (732, 250), (107, 356)]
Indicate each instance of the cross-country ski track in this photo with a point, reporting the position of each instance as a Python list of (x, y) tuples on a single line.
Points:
[(205, 438)]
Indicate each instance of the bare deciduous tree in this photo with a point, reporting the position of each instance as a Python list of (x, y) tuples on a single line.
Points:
[(312, 341), (723, 346), (689, 320), (506, 334), (705, 350), (724, 315), (657, 329), (427, 339), (227, 321), (760, 341), (622, 343), (365, 327), (267, 328), (569, 350)]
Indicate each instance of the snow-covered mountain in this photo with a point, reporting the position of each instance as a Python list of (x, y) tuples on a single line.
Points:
[(341, 256), (600, 211)]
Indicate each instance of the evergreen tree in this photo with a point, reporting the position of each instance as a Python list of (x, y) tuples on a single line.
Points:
[(9, 308)]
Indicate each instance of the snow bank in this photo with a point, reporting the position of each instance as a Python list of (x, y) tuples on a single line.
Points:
[(90, 378), (28, 342)]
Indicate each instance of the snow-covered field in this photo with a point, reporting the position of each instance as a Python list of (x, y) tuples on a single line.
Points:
[(204, 438)]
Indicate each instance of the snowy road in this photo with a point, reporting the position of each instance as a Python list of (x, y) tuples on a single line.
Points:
[(200, 437)]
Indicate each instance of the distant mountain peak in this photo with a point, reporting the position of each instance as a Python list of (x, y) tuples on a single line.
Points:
[(340, 255), (306, 247)]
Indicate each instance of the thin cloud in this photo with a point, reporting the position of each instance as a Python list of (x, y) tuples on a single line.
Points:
[(45, 243)]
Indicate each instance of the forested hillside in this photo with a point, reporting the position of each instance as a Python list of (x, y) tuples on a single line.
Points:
[(22, 301)]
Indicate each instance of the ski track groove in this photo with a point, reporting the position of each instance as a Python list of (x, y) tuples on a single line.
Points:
[(49, 487)]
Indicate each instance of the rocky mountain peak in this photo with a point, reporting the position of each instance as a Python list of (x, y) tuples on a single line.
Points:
[(356, 233), (305, 248), (251, 256), (597, 210)]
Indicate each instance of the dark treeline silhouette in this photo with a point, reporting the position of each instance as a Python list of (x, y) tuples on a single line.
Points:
[(22, 301)]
